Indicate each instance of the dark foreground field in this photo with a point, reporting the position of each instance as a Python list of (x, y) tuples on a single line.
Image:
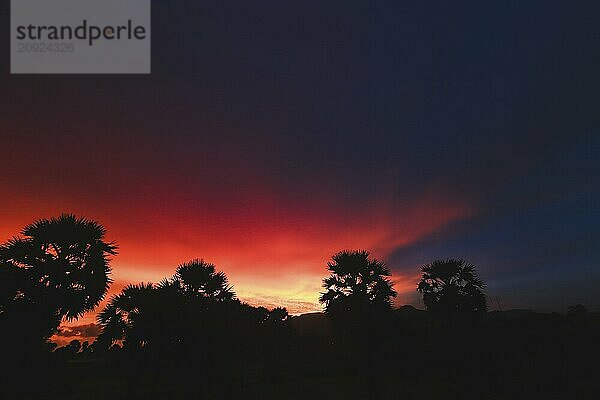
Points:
[(508, 355)]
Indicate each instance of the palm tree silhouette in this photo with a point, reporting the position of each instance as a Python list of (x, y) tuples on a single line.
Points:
[(358, 299), (163, 314), (129, 316), (59, 268), (145, 315), (452, 286), (200, 279), (357, 284)]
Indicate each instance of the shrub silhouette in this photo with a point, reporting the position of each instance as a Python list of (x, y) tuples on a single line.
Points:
[(451, 287), (278, 316)]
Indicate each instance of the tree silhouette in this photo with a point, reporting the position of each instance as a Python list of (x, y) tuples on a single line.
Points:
[(59, 268), (191, 316), (357, 285), (452, 286), (358, 299), (163, 315), (127, 316), (143, 315), (200, 279)]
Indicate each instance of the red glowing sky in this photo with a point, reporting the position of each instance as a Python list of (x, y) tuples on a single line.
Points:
[(273, 250), (266, 144), (269, 223)]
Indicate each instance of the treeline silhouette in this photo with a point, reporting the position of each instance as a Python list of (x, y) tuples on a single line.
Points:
[(189, 336)]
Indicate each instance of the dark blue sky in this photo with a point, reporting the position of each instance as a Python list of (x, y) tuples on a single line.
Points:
[(490, 105)]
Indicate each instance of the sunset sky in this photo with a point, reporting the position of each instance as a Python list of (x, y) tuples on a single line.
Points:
[(271, 135)]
